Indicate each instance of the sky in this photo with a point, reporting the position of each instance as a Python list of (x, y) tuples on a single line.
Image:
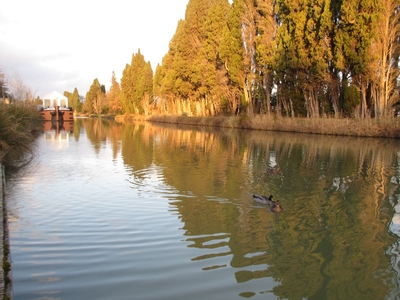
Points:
[(59, 45)]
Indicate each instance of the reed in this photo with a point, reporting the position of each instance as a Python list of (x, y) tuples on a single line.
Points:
[(19, 124), (370, 127)]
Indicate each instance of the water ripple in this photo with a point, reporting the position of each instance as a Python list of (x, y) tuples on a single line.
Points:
[(173, 218)]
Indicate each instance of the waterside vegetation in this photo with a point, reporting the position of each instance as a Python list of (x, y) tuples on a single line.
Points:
[(369, 127), (19, 124), (308, 59), (314, 66)]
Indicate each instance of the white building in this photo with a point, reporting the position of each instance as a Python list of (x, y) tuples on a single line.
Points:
[(55, 99)]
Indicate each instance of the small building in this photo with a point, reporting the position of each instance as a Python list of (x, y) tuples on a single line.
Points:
[(55, 99), (55, 108)]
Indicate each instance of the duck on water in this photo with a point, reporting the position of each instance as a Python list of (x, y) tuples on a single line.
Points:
[(274, 206)]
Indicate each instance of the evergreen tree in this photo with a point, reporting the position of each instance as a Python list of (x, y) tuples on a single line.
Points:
[(136, 85), (231, 52), (208, 76), (73, 100), (188, 46), (166, 76), (265, 32), (169, 86), (145, 89), (303, 54), (189, 66), (158, 81), (75, 103), (95, 97), (68, 95), (126, 93), (113, 96), (353, 36), (321, 57)]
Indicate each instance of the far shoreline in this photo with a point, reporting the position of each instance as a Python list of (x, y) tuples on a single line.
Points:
[(368, 127)]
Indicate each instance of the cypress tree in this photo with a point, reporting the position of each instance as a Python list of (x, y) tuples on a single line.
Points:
[(188, 69), (265, 32), (231, 52), (322, 56), (126, 91), (207, 70), (303, 54), (166, 75), (136, 83), (189, 47), (113, 96), (353, 35), (75, 103), (94, 100), (145, 87)]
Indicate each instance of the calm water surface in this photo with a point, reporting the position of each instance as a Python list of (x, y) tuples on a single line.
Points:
[(145, 211)]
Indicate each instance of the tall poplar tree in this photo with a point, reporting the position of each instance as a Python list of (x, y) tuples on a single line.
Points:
[(248, 26), (383, 67)]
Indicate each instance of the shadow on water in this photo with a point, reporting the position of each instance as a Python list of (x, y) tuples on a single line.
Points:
[(338, 237)]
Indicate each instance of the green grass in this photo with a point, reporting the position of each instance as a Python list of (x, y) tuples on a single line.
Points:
[(18, 125)]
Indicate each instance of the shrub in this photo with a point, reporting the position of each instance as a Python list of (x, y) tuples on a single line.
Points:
[(18, 124)]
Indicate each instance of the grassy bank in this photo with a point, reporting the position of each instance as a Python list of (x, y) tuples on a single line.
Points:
[(18, 125), (6, 256), (387, 128)]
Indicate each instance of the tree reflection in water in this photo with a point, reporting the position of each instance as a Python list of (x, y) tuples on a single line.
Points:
[(332, 241)]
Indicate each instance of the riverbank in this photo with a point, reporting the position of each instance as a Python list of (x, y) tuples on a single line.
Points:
[(382, 128), (20, 124), (5, 272)]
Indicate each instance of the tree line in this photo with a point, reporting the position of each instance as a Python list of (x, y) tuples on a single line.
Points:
[(307, 58)]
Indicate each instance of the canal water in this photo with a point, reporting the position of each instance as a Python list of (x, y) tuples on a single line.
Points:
[(153, 211)]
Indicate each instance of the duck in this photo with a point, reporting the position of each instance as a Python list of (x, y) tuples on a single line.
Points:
[(274, 206), (263, 199)]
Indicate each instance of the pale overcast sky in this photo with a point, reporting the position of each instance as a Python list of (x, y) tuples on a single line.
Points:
[(59, 45)]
